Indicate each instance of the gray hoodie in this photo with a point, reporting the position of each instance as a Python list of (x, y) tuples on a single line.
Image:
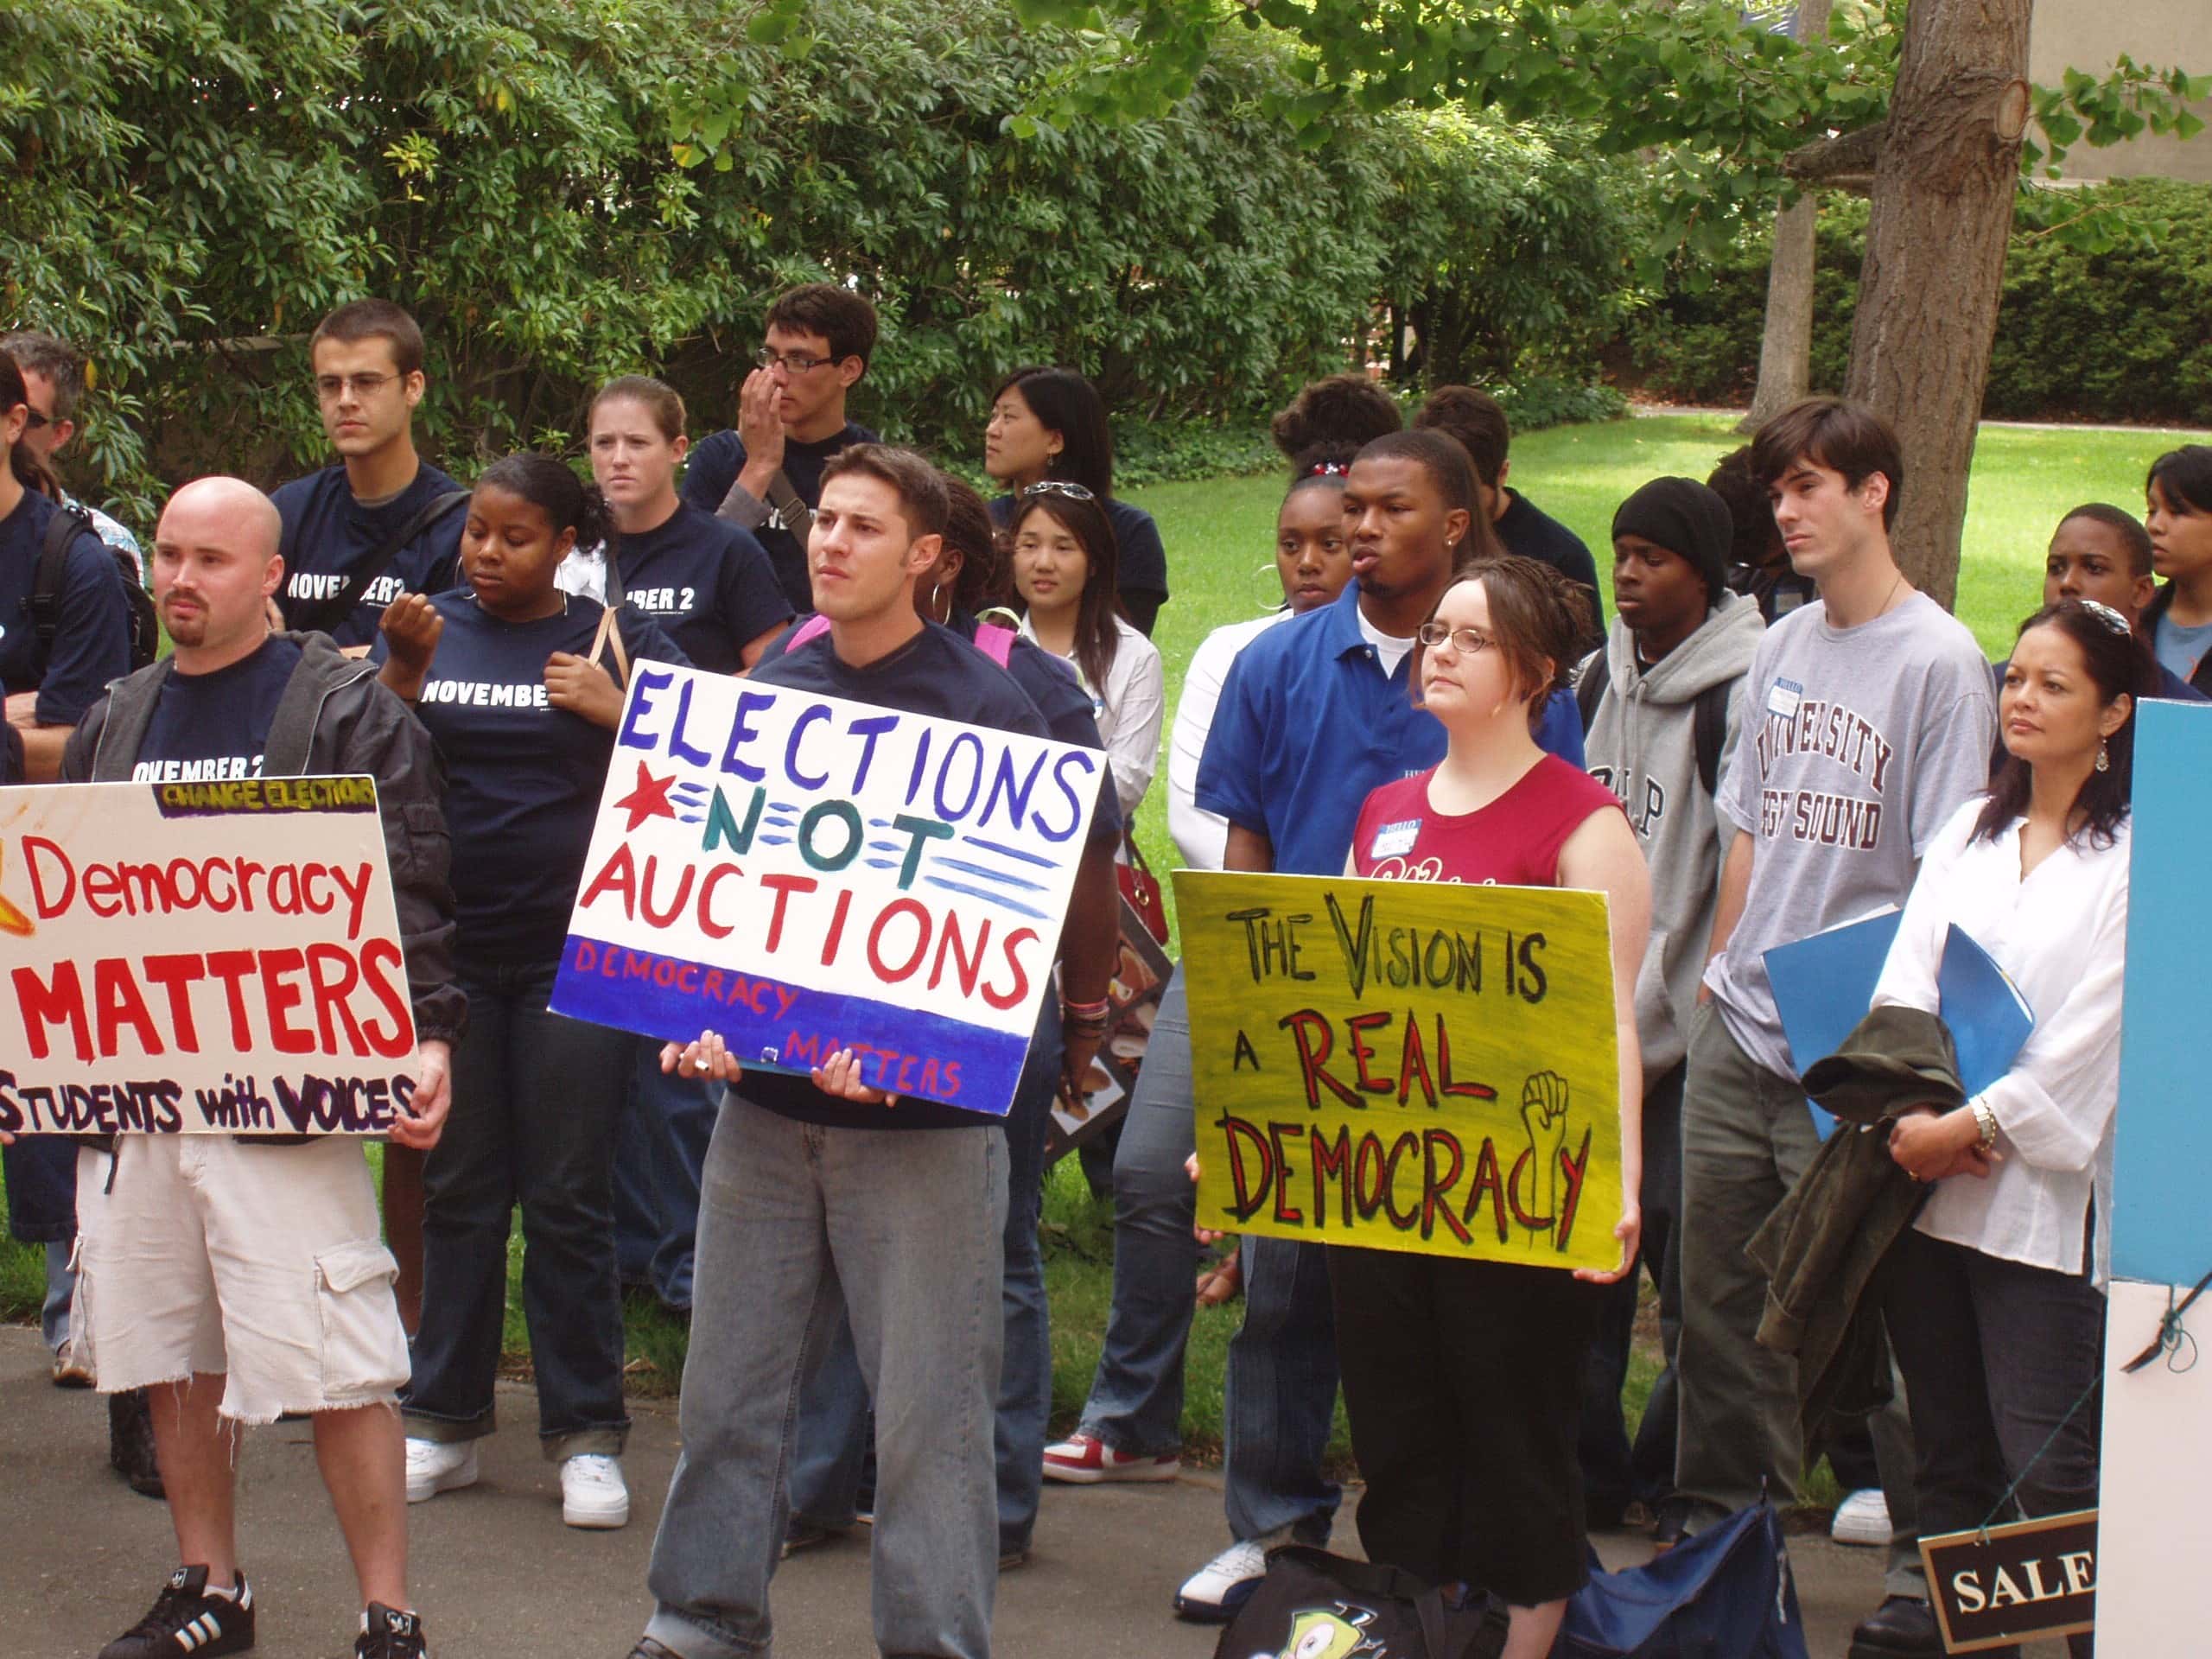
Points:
[(1642, 745)]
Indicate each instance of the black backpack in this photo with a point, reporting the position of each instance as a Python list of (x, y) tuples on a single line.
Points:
[(1360, 1611), (69, 522), (1709, 730)]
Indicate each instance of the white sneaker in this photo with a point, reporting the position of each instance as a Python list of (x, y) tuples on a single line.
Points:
[(1863, 1518), (434, 1467), (592, 1491), (1213, 1593)]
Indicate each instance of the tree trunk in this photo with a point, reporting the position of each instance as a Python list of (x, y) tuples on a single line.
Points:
[(1928, 293), (1786, 345)]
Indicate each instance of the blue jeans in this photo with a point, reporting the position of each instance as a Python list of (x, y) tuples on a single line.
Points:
[(1136, 1394), (659, 1148), (835, 1432), (801, 1227), (1282, 1364), (61, 1294), (534, 1095)]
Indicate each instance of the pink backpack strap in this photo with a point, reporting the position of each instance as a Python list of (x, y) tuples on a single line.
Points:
[(995, 642), (813, 628)]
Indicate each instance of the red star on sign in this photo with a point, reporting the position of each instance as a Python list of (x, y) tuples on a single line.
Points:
[(648, 800)]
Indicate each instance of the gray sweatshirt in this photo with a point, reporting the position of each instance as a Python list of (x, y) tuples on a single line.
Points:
[(1642, 745)]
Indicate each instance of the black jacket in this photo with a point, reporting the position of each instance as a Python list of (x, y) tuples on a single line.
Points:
[(2148, 627), (335, 720), (1825, 1242)]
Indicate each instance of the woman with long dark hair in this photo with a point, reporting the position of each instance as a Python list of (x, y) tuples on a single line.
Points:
[(1050, 423), (1064, 566), (2177, 514), (1994, 1298), (506, 674)]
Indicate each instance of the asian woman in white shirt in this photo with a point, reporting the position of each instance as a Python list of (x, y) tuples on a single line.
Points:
[(1994, 1299)]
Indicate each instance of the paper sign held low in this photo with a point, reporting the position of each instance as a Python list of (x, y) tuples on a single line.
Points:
[(201, 957), (2031, 1579), (1405, 1066), (804, 873)]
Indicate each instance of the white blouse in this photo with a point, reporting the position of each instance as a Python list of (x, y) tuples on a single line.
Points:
[(1130, 710), (1200, 836), (2061, 935)]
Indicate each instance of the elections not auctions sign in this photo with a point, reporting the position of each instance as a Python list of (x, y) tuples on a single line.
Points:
[(804, 873), (194, 958), (1405, 1066)]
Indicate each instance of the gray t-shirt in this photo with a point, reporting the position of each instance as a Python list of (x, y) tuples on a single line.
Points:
[(2181, 649), (1858, 745)]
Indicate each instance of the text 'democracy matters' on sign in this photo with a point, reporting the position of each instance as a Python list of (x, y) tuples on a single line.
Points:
[(804, 873), (1405, 1066), (201, 957)]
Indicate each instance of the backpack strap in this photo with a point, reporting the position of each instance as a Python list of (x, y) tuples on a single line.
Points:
[(813, 628), (995, 642), (792, 514), (1709, 730), (321, 615), (1590, 690), (68, 523)]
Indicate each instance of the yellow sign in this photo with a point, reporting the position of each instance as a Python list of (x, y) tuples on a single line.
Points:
[(1405, 1066)]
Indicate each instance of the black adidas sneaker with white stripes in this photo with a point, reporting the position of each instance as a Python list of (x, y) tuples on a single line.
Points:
[(387, 1633), (188, 1622)]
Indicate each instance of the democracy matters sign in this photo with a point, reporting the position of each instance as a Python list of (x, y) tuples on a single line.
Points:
[(1405, 1066), (804, 873), (201, 957)]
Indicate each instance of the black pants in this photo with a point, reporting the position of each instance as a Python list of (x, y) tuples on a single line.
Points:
[(1613, 1471), (1994, 1355), (1462, 1381)]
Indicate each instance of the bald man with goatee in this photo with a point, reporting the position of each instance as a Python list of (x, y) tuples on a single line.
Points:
[(253, 1267)]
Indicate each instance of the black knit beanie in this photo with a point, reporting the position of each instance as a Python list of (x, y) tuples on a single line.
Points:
[(1689, 520)]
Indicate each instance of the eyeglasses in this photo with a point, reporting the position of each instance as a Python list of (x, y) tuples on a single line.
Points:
[(331, 387), (794, 362), (33, 420), (1058, 487), (1466, 641)]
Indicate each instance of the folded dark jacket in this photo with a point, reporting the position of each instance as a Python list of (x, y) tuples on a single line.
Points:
[(1825, 1242)]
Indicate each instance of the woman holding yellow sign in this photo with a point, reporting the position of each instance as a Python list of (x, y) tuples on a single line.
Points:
[(1462, 1377)]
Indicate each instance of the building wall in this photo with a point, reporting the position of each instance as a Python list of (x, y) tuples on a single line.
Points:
[(2088, 36)]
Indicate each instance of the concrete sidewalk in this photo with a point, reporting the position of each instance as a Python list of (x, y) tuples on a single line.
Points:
[(498, 1577)]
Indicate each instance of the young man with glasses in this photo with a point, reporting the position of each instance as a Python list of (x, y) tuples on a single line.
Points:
[(55, 375), (379, 521), (766, 474)]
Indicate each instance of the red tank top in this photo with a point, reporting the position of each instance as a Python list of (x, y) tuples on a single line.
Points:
[(1514, 842)]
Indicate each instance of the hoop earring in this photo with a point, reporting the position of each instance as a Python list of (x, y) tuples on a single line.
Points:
[(2104, 756), (937, 592)]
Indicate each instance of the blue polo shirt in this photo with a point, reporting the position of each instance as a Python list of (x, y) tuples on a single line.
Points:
[(328, 535), (1308, 724)]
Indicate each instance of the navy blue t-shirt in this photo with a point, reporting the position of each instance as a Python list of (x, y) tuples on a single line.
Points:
[(1527, 530), (705, 581), (523, 778), (211, 726), (1140, 560), (92, 636), (328, 534), (1047, 681), (717, 462), (937, 673)]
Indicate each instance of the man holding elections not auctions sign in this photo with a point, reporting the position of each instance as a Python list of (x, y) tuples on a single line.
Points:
[(238, 1280), (813, 1207)]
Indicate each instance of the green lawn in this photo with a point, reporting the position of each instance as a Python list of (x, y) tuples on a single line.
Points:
[(1220, 536)]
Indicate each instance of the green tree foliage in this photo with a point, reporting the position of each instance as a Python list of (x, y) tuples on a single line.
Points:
[(566, 189), (2108, 329)]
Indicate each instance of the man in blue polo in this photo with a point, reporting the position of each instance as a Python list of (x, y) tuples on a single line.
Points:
[(1315, 714)]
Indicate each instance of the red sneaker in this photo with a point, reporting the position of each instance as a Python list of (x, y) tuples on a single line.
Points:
[(1085, 1460)]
